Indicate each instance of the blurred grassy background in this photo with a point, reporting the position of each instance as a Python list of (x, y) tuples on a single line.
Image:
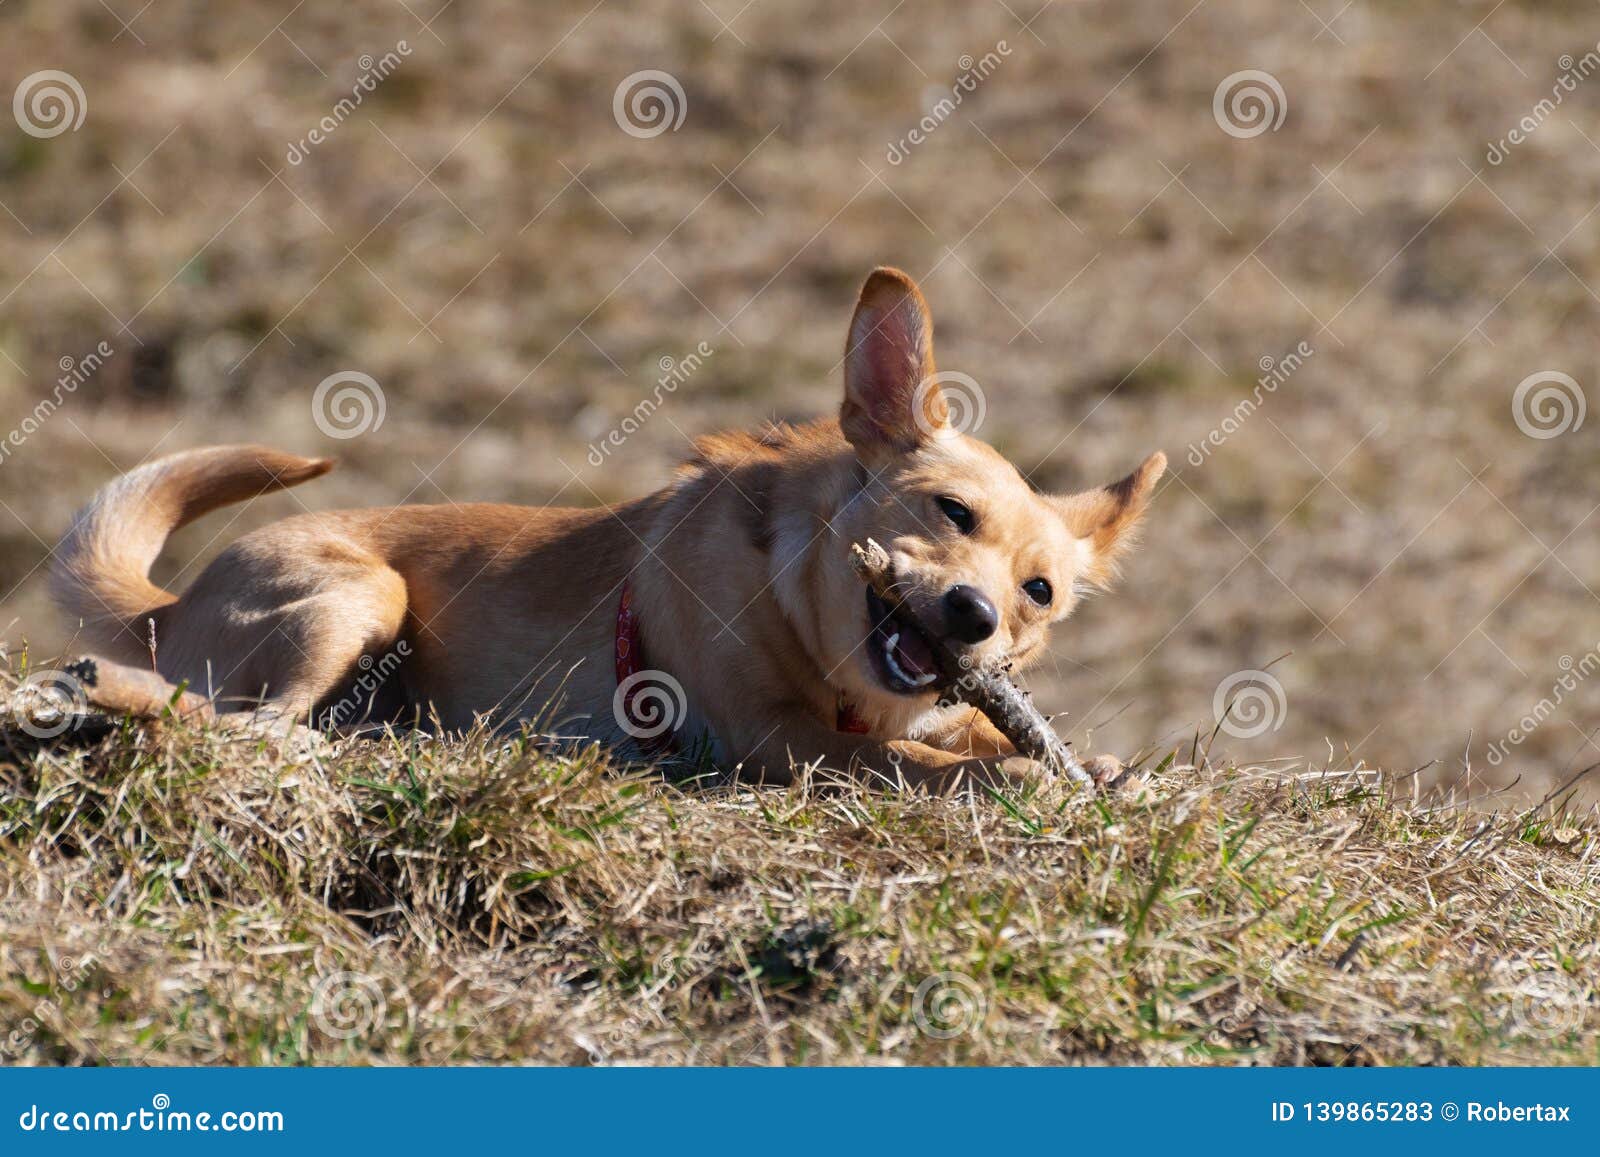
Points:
[(484, 239)]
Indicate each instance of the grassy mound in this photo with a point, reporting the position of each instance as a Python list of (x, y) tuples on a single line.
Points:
[(170, 895)]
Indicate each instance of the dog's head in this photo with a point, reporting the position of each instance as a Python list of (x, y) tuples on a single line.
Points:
[(981, 560)]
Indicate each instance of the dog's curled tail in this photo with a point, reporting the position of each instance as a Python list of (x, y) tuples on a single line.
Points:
[(101, 573)]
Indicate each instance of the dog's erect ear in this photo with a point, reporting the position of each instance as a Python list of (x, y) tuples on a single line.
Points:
[(1106, 518), (887, 360)]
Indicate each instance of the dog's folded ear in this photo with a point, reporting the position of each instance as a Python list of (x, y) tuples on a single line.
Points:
[(891, 404), (1106, 518)]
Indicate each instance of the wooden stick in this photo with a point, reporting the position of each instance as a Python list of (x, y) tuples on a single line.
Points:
[(124, 690), (991, 691)]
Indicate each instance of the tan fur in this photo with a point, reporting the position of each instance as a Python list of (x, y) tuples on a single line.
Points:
[(739, 571)]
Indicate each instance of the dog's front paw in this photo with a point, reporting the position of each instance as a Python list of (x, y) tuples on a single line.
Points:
[(1020, 767), (1105, 770), (1112, 776)]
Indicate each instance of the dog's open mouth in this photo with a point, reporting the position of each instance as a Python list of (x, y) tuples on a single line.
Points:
[(901, 654)]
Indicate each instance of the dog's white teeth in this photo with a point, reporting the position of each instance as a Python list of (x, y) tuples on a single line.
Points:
[(897, 670)]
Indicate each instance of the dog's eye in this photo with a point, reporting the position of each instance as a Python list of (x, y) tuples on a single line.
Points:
[(958, 513), (1039, 591)]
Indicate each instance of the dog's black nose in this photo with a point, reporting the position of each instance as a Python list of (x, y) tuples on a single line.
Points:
[(968, 615)]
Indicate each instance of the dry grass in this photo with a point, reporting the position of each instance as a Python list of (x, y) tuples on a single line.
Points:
[(174, 896)]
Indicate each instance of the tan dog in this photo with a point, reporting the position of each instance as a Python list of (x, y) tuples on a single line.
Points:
[(719, 614)]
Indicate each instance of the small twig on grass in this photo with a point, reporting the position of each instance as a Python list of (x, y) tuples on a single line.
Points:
[(990, 690), (123, 690), (81, 702)]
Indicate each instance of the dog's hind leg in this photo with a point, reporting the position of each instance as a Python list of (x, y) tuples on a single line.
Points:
[(280, 622)]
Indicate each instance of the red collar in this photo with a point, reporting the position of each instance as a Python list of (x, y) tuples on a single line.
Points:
[(630, 661), (849, 719), (628, 646)]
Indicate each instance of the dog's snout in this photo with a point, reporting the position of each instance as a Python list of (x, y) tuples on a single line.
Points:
[(969, 615)]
